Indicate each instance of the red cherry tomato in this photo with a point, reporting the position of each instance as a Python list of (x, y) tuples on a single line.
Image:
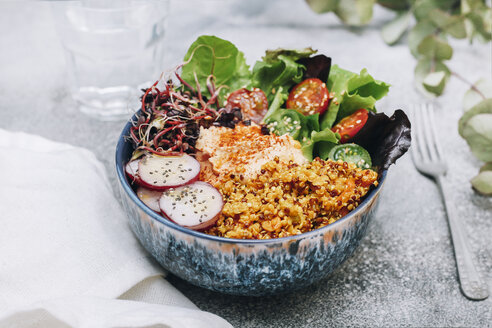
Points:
[(309, 97), (253, 104), (350, 125)]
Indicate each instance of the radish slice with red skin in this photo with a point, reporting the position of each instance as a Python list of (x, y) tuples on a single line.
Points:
[(196, 206), (163, 172), (131, 169), (150, 198)]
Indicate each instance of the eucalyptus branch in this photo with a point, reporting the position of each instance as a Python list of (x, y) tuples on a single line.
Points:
[(472, 86)]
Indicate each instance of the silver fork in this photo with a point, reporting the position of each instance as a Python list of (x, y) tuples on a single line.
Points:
[(428, 159)]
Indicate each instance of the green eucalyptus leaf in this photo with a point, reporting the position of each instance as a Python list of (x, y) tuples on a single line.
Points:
[(453, 25), (393, 31), (323, 6), (424, 68), (486, 167), (433, 47), (423, 8), (477, 132), (355, 12), (483, 183), (472, 97), (471, 5), (478, 21), (418, 33), (434, 82), (481, 23), (465, 9), (395, 4), (487, 21), (484, 107)]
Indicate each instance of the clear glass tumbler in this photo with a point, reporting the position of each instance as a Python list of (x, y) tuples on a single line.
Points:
[(113, 49)]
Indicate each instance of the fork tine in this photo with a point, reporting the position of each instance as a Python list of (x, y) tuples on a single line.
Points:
[(417, 157), (432, 121), (430, 136), (420, 134)]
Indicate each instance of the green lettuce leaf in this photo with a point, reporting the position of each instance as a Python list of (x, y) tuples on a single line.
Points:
[(312, 122), (309, 125), (278, 100), (279, 69), (210, 55), (294, 54), (325, 140), (337, 85), (351, 92), (362, 92)]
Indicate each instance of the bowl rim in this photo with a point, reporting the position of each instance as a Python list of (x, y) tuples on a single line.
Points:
[(123, 139)]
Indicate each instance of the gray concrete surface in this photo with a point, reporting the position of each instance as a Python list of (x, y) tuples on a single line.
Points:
[(403, 274)]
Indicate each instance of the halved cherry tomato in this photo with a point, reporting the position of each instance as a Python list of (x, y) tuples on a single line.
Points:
[(253, 104), (350, 125), (309, 97)]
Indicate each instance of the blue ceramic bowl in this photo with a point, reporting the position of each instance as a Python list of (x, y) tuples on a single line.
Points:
[(243, 267)]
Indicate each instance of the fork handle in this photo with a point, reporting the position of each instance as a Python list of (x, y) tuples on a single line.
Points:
[(472, 284)]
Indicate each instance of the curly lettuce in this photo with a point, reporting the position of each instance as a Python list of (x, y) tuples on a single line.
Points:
[(351, 91), (279, 70)]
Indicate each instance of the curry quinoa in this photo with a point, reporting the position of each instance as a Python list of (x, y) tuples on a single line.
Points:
[(288, 199)]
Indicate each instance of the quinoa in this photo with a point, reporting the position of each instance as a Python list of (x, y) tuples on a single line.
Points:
[(288, 199)]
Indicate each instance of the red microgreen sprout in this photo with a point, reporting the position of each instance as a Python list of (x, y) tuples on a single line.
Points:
[(169, 121)]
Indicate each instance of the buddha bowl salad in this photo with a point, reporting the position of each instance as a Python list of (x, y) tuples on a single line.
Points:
[(287, 146)]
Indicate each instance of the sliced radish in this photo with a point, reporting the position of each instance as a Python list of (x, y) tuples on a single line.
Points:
[(164, 172), (196, 206), (150, 198), (131, 168)]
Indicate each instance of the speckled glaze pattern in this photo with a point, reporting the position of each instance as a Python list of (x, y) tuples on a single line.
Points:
[(243, 267)]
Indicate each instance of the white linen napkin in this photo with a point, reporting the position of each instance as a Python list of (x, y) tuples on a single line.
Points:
[(66, 249)]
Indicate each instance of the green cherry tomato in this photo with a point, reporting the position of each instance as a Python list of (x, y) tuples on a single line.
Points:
[(351, 153), (288, 122)]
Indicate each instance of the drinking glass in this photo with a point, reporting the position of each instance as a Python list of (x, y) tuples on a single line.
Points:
[(113, 50)]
